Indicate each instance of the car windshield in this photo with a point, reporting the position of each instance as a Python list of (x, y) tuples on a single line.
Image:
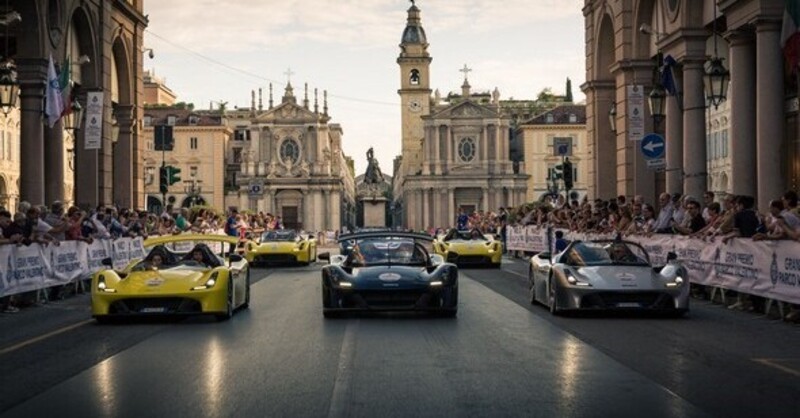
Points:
[(465, 235), (604, 253), (385, 251), (182, 254), (278, 236)]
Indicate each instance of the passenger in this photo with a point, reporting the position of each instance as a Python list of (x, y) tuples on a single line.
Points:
[(156, 262), (620, 253)]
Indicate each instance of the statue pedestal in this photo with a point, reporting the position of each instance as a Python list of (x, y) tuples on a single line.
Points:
[(374, 211)]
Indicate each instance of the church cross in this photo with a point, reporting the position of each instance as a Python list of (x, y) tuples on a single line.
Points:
[(465, 70), (289, 74)]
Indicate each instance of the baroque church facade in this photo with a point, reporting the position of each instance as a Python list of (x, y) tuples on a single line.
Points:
[(455, 154), (292, 164)]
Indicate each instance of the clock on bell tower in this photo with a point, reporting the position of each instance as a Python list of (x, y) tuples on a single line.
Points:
[(415, 91)]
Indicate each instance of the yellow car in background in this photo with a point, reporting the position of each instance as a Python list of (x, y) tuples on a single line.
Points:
[(282, 246), (469, 248), (180, 275)]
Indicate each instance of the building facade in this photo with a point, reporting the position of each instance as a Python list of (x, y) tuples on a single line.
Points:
[(101, 41), (759, 129), (292, 164), (455, 155), (200, 141), (542, 137)]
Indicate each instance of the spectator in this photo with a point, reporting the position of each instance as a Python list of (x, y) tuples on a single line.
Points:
[(694, 218), (663, 222), (708, 199)]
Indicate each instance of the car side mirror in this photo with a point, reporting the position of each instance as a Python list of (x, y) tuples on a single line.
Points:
[(107, 262), (544, 254), (671, 256), (324, 256), (436, 260)]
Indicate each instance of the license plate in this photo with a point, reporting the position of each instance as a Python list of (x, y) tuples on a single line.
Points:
[(153, 310), (629, 305)]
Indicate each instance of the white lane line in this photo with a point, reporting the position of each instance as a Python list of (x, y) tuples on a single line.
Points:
[(341, 386), (26, 343), (774, 363)]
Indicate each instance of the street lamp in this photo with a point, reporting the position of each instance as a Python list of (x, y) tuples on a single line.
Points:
[(656, 101), (716, 75), (74, 119), (612, 117), (9, 86)]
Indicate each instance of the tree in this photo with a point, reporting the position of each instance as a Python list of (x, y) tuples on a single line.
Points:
[(546, 95)]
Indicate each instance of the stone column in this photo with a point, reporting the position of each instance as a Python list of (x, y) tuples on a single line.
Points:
[(694, 130), (54, 163), (451, 208), (483, 141), (326, 210), (335, 210), (427, 153), (426, 208), (437, 154), (123, 158), (743, 119), (485, 199), (673, 138), (770, 117), (306, 221), (32, 76)]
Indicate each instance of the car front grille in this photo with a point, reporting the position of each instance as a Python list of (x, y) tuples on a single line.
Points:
[(275, 258), (467, 259), (155, 305), (612, 300), (392, 299)]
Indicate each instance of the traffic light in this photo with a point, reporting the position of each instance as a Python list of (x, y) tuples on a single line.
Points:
[(172, 174), (163, 179), (567, 169)]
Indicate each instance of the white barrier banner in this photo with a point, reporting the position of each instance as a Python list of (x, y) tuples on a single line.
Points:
[(96, 252), (68, 261), (6, 252), (121, 249), (27, 270)]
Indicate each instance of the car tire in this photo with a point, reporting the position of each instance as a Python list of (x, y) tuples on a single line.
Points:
[(246, 303), (229, 304), (553, 300)]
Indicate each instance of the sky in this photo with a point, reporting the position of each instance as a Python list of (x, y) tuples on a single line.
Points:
[(221, 50)]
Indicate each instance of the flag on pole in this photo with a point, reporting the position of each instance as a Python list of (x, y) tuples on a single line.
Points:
[(65, 82), (790, 36), (667, 76), (54, 104)]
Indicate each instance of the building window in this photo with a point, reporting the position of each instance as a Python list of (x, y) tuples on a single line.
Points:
[(193, 142), (240, 135), (150, 145), (290, 151), (466, 149), (148, 120), (549, 118), (573, 118), (171, 120), (725, 144), (237, 155), (193, 120), (413, 78)]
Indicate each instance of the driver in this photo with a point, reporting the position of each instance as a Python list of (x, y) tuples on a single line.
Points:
[(475, 234), (620, 253)]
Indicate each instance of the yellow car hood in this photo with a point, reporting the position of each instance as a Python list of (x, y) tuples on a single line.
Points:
[(469, 247), (163, 281)]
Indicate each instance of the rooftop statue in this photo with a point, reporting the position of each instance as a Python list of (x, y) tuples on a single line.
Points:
[(373, 174)]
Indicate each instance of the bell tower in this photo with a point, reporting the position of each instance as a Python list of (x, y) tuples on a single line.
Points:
[(415, 90)]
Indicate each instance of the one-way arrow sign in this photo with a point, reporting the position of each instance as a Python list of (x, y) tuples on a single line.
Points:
[(652, 146)]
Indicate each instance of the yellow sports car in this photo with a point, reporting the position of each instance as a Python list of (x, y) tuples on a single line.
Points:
[(181, 274), (282, 246), (469, 248)]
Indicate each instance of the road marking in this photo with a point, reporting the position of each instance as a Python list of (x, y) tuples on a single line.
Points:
[(774, 363), (341, 386), (524, 276), (26, 343)]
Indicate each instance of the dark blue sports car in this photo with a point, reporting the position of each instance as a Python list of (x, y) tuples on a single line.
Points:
[(388, 271)]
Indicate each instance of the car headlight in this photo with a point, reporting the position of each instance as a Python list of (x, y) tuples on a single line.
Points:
[(103, 287), (212, 280), (678, 282), (571, 279)]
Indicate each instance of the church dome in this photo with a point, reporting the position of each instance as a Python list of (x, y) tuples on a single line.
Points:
[(414, 33)]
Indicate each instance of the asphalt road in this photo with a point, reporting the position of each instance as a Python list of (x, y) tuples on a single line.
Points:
[(499, 357)]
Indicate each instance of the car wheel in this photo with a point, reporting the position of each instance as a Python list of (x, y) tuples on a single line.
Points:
[(246, 303), (229, 305), (553, 300)]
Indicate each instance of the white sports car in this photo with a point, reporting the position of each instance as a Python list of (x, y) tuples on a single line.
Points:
[(607, 275)]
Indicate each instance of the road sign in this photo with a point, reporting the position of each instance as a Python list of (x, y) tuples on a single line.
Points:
[(256, 188), (657, 163), (562, 146), (652, 146)]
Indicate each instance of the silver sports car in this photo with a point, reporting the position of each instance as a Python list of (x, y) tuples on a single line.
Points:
[(607, 275)]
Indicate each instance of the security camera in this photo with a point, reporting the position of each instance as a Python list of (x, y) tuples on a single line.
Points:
[(10, 17), (646, 29), (84, 59), (151, 54)]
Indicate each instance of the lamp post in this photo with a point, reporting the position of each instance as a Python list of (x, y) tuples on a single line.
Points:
[(656, 100), (9, 86)]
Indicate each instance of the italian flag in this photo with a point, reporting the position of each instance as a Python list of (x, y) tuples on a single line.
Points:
[(790, 36)]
